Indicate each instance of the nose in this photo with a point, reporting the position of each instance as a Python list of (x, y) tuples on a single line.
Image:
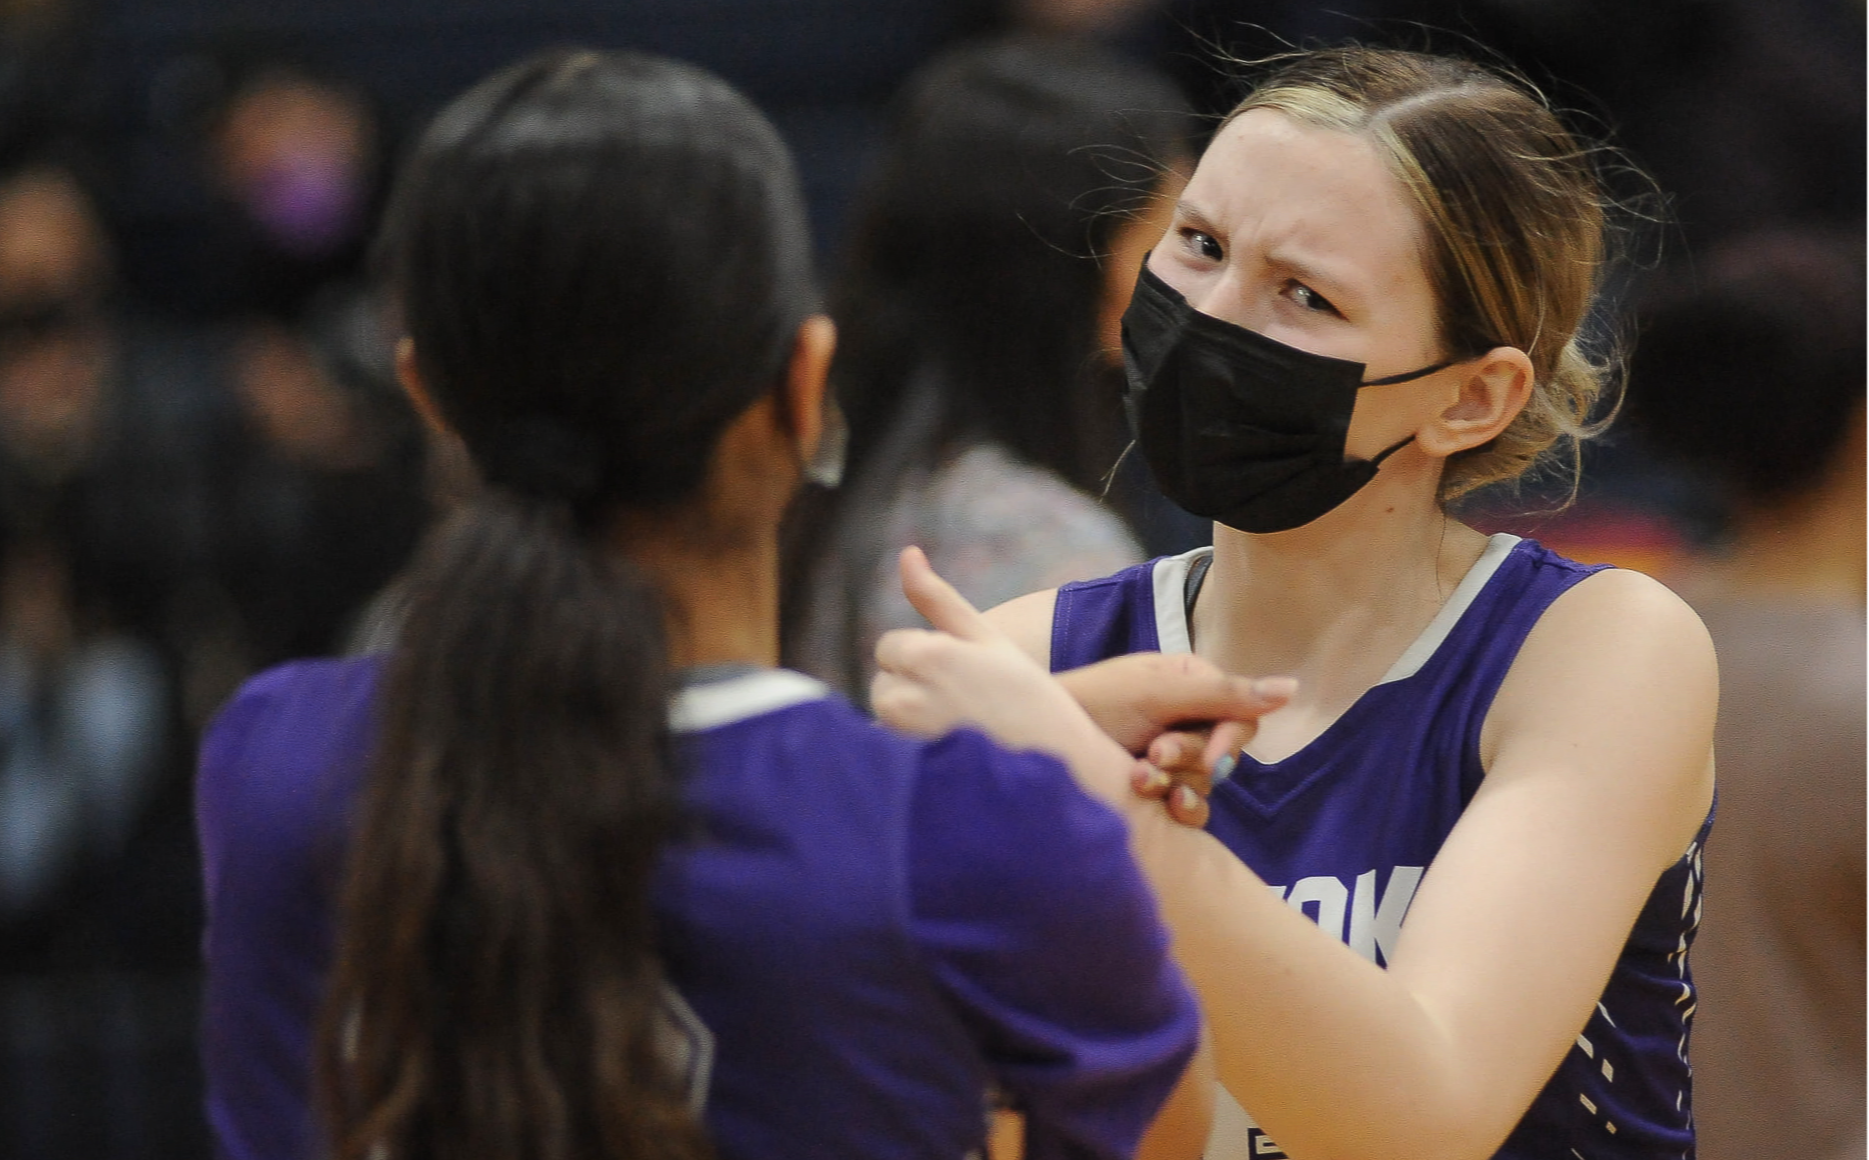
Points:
[(1226, 296)]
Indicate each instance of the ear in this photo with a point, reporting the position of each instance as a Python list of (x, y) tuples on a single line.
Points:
[(1489, 395), (410, 376), (806, 379)]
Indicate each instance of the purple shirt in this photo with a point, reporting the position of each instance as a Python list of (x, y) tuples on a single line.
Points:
[(1344, 828), (873, 930)]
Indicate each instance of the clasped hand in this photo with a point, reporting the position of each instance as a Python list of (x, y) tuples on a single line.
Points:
[(1181, 720)]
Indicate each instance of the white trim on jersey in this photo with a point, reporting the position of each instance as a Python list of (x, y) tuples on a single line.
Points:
[(1175, 636), (1498, 547), (717, 703), (1171, 601)]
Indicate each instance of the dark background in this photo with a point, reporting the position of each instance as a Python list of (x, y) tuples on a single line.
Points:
[(250, 478)]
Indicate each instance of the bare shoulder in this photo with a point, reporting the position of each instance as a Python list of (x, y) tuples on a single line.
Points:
[(1619, 617), (1616, 635), (1027, 620), (1616, 688)]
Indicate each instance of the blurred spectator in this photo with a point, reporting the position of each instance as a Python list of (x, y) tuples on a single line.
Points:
[(823, 71), (323, 487), (1753, 376), (93, 529), (178, 505), (104, 530), (297, 157), (993, 253), (317, 465)]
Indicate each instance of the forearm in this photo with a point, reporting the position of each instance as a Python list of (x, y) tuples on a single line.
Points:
[(1179, 1131), (1332, 1055)]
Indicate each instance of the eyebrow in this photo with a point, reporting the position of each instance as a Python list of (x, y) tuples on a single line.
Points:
[(1304, 271), (1198, 218), (1316, 277)]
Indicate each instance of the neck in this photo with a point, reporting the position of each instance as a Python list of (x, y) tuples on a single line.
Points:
[(722, 596), (1336, 601)]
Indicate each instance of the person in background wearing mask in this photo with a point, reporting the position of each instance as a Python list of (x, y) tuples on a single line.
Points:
[(323, 490), (1750, 375)]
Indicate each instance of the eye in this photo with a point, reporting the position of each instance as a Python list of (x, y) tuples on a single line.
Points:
[(1311, 300), (1202, 243)]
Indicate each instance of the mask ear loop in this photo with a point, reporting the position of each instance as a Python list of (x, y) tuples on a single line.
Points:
[(1391, 380), (825, 465), (1392, 448), (1410, 376), (1406, 376)]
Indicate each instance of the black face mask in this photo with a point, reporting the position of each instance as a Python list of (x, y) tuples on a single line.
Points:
[(1238, 427)]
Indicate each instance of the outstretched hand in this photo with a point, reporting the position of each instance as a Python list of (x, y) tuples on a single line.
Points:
[(1187, 717), (967, 672)]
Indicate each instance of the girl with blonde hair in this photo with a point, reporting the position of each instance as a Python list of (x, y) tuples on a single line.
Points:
[(1495, 777)]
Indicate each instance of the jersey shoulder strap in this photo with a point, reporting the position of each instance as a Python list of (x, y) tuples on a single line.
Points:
[(1093, 620)]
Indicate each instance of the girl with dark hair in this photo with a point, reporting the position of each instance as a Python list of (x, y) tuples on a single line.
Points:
[(1370, 300), (575, 922), (993, 254)]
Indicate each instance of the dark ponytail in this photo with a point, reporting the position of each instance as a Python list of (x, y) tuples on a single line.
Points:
[(497, 988), (602, 261)]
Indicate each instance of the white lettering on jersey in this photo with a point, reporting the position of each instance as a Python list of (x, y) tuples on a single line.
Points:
[(1375, 925), (1235, 1136), (1375, 917), (1375, 922), (1331, 897)]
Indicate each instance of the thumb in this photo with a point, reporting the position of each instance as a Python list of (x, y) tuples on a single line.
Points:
[(937, 600)]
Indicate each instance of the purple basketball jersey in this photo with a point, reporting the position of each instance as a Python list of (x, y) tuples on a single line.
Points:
[(867, 932), (1344, 829)]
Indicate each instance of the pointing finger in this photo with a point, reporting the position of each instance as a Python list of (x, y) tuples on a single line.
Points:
[(937, 600)]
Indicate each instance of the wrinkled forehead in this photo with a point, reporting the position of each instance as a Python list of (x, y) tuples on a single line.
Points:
[(1271, 177)]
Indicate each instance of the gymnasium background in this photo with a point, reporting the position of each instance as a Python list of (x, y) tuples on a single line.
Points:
[(205, 468)]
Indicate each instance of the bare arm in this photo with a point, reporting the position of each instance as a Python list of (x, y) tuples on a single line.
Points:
[(1599, 773), (1599, 770), (1026, 622)]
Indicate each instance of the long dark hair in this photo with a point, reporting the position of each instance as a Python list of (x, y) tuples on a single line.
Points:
[(1010, 166), (968, 297), (601, 259)]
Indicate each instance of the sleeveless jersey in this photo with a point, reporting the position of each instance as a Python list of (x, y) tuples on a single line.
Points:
[(1344, 828)]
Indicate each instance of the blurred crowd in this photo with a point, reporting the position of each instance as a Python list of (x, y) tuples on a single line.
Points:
[(206, 466)]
